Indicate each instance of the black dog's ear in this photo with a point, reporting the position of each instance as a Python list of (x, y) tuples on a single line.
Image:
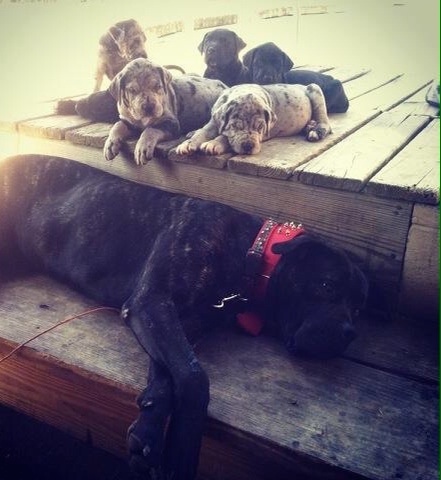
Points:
[(201, 46), (285, 247), (287, 63), (360, 287), (240, 44), (248, 59)]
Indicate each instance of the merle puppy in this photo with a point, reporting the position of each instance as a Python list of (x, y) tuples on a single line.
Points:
[(268, 64), (165, 260), (220, 50)]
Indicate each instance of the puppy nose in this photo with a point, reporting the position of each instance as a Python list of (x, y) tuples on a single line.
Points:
[(148, 108), (247, 147)]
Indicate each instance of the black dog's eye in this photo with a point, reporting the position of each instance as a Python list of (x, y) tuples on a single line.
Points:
[(325, 289)]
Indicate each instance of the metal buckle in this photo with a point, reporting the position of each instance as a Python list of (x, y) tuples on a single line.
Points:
[(225, 300)]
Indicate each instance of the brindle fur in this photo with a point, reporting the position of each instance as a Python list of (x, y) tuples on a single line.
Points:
[(165, 259)]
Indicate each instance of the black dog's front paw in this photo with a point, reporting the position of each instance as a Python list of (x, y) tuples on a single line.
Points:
[(145, 441)]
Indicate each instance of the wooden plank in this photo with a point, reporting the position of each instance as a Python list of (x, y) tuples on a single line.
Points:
[(406, 346), (93, 135), (54, 126), (393, 93), (10, 117), (334, 418), (346, 74), (351, 163), (367, 83), (414, 173), (375, 229), (314, 68), (420, 282), (363, 420), (417, 105), (281, 156)]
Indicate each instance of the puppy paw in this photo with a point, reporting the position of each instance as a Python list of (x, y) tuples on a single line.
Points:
[(111, 147), (185, 148), (212, 147), (316, 131), (144, 151)]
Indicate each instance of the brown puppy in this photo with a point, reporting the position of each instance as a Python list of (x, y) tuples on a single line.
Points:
[(161, 107), (122, 43), (247, 115)]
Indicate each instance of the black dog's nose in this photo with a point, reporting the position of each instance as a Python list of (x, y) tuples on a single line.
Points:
[(349, 333)]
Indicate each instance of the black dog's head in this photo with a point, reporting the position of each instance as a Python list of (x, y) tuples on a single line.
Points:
[(267, 64), (220, 48), (314, 294)]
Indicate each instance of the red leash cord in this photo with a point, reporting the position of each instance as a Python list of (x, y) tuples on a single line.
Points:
[(62, 322)]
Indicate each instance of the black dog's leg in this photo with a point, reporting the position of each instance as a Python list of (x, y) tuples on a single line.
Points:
[(154, 320), (99, 107), (146, 435)]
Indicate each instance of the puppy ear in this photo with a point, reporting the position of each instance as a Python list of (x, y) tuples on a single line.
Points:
[(287, 63), (117, 88), (222, 113), (248, 59), (270, 119), (201, 46), (117, 34), (360, 287), (166, 76), (240, 44)]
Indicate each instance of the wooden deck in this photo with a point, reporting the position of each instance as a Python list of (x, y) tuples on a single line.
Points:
[(372, 187)]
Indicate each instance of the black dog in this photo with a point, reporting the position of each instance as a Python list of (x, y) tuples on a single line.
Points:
[(220, 49), (268, 64), (165, 260)]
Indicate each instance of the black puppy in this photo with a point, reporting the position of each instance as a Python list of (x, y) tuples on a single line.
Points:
[(166, 260), (268, 64), (220, 49)]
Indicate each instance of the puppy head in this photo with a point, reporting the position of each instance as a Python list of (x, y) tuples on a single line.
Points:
[(245, 117), (336, 99), (129, 39), (315, 294), (141, 92), (220, 48), (267, 64)]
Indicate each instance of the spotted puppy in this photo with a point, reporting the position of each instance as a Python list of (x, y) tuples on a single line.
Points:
[(122, 43), (268, 64), (220, 50), (156, 105), (247, 115)]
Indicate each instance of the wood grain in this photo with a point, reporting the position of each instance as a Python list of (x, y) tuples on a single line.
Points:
[(414, 173), (351, 163), (329, 418), (54, 127)]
